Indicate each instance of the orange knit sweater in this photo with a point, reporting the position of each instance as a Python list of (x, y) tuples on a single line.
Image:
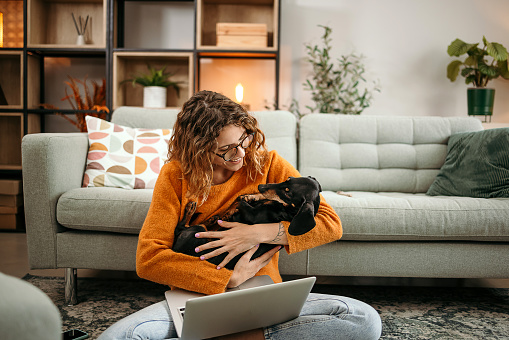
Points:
[(155, 261)]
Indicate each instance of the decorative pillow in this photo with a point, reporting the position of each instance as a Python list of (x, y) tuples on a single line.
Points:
[(123, 157), (477, 165)]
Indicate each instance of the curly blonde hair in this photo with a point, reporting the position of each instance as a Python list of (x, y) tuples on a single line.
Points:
[(193, 142)]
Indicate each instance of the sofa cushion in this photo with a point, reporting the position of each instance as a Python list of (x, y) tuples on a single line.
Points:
[(123, 157), (104, 209), (477, 165), (368, 216), (376, 153)]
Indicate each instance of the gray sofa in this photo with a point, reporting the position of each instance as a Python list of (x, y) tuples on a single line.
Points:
[(386, 164)]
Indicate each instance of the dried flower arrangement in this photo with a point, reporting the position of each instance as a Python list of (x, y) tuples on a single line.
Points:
[(95, 102)]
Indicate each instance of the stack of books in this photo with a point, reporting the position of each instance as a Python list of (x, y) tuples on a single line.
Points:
[(11, 205)]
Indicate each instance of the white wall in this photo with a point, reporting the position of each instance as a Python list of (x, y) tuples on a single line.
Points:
[(405, 42)]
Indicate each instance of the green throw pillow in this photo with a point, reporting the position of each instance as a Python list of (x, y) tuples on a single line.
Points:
[(477, 165)]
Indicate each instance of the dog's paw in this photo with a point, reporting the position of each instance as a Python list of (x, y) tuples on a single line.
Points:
[(251, 197), (244, 198), (190, 208)]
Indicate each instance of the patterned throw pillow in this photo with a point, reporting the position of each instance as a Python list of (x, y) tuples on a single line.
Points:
[(123, 157)]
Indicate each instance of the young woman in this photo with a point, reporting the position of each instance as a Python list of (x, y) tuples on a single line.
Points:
[(216, 153)]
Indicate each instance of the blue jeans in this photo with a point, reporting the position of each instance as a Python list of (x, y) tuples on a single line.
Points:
[(322, 317)]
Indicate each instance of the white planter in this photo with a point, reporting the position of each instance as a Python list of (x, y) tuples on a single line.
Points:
[(80, 40), (154, 96)]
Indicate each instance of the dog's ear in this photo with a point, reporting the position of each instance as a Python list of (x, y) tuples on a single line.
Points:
[(319, 186), (304, 220)]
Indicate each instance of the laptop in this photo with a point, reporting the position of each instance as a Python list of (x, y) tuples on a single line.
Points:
[(255, 304)]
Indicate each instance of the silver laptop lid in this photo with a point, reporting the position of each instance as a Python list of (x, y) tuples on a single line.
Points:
[(177, 298), (245, 309)]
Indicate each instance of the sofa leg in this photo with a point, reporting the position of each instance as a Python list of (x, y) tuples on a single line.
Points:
[(71, 288)]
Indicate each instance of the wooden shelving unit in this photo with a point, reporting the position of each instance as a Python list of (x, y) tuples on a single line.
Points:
[(181, 35)]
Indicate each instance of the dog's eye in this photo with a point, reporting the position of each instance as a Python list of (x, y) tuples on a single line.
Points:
[(287, 189)]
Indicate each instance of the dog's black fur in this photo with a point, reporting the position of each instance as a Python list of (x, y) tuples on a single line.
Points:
[(296, 200)]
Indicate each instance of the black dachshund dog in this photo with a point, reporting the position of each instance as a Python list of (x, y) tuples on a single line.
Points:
[(295, 200)]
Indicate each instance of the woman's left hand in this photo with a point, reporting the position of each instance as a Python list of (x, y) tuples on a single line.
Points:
[(237, 239)]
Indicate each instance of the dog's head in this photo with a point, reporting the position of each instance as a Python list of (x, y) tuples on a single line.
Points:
[(301, 193)]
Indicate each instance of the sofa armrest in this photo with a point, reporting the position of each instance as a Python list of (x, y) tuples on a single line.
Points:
[(53, 163)]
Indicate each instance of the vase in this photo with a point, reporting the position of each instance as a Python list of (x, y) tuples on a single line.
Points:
[(80, 40), (154, 96), (480, 101)]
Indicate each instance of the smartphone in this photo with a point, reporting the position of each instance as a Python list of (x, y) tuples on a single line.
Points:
[(74, 334)]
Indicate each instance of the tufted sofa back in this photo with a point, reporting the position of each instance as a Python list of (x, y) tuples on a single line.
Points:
[(279, 127), (376, 153)]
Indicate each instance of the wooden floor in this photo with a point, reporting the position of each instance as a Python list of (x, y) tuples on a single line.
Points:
[(14, 262)]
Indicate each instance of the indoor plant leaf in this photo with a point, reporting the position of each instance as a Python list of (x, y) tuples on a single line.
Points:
[(488, 70), (453, 69), (466, 71), (155, 77), (497, 51), (470, 79), (459, 47), (470, 61), (503, 68)]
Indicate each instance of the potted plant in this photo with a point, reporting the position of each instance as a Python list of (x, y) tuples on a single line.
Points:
[(337, 87), (155, 85), (95, 101), (480, 66)]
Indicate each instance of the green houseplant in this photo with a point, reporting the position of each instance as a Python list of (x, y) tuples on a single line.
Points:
[(337, 87), (479, 67), (155, 84)]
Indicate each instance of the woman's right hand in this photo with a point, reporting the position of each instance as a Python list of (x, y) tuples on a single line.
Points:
[(246, 269)]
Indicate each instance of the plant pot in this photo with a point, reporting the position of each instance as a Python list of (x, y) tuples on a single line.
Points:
[(480, 101), (80, 40), (154, 96)]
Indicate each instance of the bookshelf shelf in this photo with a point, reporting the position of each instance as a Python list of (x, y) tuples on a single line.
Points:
[(127, 64), (51, 25)]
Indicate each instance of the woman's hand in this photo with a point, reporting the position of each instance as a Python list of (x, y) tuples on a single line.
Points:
[(239, 238), (246, 269)]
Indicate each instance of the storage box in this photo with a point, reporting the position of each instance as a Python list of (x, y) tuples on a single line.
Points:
[(11, 187), (241, 35), (11, 205), (11, 200), (12, 218)]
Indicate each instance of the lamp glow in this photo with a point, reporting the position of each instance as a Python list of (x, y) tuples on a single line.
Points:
[(1, 29), (239, 93)]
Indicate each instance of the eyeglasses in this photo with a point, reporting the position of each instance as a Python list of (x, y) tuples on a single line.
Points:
[(232, 151)]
